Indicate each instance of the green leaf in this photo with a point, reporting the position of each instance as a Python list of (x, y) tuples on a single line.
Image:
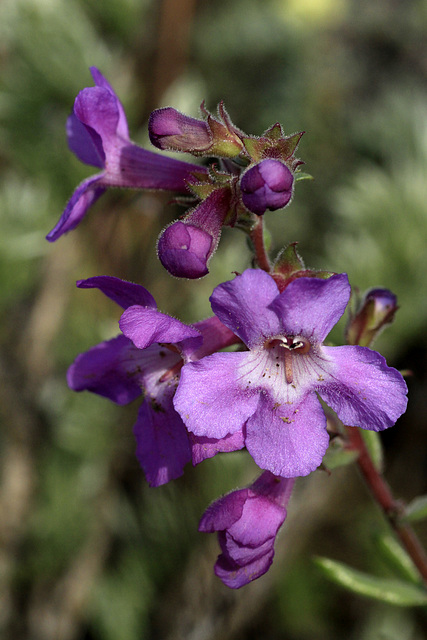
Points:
[(396, 557), (417, 509), (374, 446), (394, 592), (301, 175)]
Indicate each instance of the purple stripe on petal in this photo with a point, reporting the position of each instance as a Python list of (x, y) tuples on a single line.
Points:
[(125, 294)]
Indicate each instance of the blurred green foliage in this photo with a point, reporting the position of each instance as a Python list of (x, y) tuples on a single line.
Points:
[(89, 551)]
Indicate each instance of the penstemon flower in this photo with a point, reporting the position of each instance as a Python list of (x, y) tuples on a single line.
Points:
[(269, 393), (146, 360), (248, 521), (98, 134)]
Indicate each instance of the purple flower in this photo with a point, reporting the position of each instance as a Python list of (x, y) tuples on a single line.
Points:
[(146, 361), (248, 521), (98, 134), (185, 247), (375, 312), (269, 393), (266, 185), (171, 129)]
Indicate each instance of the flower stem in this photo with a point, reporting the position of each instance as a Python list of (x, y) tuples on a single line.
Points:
[(391, 507), (257, 237)]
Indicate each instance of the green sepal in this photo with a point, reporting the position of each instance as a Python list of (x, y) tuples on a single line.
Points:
[(337, 456), (416, 510), (254, 148), (288, 260), (396, 592), (275, 132), (372, 440), (396, 557), (301, 175)]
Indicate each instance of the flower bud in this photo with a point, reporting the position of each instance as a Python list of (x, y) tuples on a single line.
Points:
[(266, 185), (247, 521), (376, 310), (170, 129), (184, 250)]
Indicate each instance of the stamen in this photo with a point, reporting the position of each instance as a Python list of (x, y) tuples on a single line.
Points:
[(288, 366), (172, 372)]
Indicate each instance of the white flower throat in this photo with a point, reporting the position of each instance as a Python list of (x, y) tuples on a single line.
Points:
[(292, 346)]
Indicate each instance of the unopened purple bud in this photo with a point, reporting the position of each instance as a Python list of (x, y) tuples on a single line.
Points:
[(170, 129), (376, 310), (266, 185), (184, 250)]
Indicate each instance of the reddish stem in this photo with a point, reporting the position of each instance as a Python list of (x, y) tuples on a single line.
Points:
[(390, 506), (257, 236)]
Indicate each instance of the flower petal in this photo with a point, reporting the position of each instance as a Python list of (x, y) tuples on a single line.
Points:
[(260, 521), (108, 369), (86, 194), (235, 577), (224, 512), (288, 440), (144, 326), (128, 165), (203, 448), (125, 294), (88, 148), (362, 389), (184, 249), (209, 398), (240, 553), (97, 109), (163, 448), (244, 304), (101, 81), (311, 306)]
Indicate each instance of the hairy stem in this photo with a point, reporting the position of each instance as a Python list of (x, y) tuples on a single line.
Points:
[(391, 507), (257, 237)]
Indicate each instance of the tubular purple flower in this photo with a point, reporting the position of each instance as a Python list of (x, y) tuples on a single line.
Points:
[(185, 247), (269, 393), (248, 521), (98, 135), (266, 185), (375, 312), (170, 129), (146, 361)]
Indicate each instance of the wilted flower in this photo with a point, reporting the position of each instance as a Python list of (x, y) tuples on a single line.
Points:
[(269, 393)]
